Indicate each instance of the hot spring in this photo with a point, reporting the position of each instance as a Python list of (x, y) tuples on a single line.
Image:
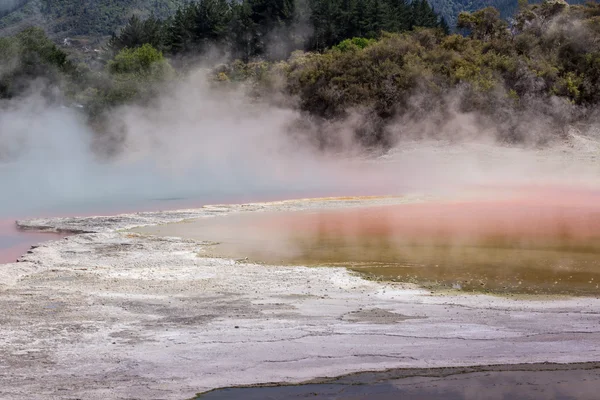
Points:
[(525, 241)]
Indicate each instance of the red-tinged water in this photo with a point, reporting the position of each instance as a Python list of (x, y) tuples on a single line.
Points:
[(536, 240), (15, 242), (534, 218)]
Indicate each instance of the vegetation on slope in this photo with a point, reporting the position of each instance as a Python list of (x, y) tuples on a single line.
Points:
[(450, 9), (68, 18), (544, 69), (97, 19), (28, 56), (272, 29)]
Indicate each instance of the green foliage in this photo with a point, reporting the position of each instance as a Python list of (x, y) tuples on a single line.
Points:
[(136, 61), (100, 18), (444, 26), (387, 60), (381, 75), (136, 33), (336, 20), (450, 9), (212, 21), (484, 24), (198, 25), (242, 31), (252, 29), (27, 56), (179, 32), (353, 44), (495, 72), (134, 76)]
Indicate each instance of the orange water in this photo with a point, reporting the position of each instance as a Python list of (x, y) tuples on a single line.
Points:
[(528, 241)]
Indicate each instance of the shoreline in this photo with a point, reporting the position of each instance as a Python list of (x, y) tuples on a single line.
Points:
[(365, 377), (544, 380), (112, 314)]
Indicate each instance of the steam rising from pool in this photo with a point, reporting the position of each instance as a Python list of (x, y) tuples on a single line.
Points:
[(200, 144), (195, 142)]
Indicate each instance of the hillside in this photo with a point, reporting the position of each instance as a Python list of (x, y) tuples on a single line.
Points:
[(451, 8), (69, 18), (96, 19), (527, 84)]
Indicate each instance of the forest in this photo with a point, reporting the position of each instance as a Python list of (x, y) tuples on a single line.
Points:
[(382, 62), (272, 29), (450, 9)]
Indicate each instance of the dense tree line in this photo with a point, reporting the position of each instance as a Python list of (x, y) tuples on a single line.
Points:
[(543, 69), (28, 56), (450, 9), (272, 29), (543, 66), (336, 20), (97, 19)]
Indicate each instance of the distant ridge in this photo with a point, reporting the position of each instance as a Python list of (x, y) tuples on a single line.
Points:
[(97, 19), (451, 8)]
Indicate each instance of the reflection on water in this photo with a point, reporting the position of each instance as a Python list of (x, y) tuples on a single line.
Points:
[(532, 244)]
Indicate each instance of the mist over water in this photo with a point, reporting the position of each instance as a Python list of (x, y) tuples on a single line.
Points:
[(193, 143), (195, 148), (204, 145), (196, 145)]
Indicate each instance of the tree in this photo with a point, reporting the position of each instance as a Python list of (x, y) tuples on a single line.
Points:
[(377, 17), (484, 24), (444, 26), (272, 20), (136, 75), (180, 33), (325, 16), (137, 33), (398, 18), (139, 61), (422, 15), (27, 56), (242, 31), (360, 19), (212, 22)]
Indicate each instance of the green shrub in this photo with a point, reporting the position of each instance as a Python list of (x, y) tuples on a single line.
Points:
[(357, 43)]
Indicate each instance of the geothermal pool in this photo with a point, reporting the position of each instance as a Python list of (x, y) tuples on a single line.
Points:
[(526, 242), (14, 242), (152, 317)]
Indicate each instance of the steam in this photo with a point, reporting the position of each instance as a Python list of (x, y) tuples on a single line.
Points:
[(194, 142), (198, 142)]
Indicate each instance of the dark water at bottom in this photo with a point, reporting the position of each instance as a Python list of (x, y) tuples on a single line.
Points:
[(562, 384)]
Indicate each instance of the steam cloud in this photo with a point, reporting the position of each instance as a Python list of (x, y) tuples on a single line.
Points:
[(194, 143), (200, 143)]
